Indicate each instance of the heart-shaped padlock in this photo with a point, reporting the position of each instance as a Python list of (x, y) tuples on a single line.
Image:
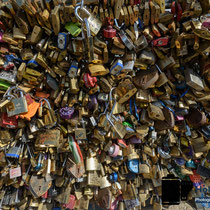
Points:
[(66, 112)]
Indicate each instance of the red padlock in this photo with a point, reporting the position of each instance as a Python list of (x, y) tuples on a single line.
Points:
[(179, 12), (8, 122), (70, 205), (90, 82), (109, 32), (163, 41), (8, 66), (176, 9), (173, 7)]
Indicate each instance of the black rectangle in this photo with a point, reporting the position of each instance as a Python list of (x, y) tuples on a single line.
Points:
[(171, 192)]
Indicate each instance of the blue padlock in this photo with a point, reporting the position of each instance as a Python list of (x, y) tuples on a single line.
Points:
[(63, 40), (72, 72), (116, 67), (190, 164), (133, 166), (180, 86), (32, 63), (113, 177), (180, 161)]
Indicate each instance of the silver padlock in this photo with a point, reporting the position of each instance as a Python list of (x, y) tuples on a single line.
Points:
[(17, 105)]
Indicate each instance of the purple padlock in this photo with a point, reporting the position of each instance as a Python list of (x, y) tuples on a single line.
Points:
[(66, 112), (135, 140), (92, 102)]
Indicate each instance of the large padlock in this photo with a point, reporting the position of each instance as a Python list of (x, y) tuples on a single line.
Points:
[(17, 105), (94, 23), (125, 90), (146, 79)]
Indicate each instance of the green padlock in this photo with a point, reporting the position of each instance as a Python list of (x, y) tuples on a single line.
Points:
[(73, 28), (4, 85)]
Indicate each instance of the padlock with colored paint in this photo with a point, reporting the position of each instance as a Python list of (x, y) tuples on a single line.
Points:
[(113, 150), (113, 177), (89, 81), (109, 32), (63, 40), (190, 164), (116, 67), (163, 41), (8, 122), (133, 162), (73, 28), (32, 63), (66, 112), (72, 72)]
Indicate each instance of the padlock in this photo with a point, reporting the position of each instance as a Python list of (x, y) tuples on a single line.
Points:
[(17, 105), (161, 42), (116, 67), (66, 112), (94, 23), (155, 112), (72, 72), (146, 79), (63, 40), (80, 133), (192, 80), (127, 42), (147, 57), (56, 19), (89, 81), (141, 43), (109, 32)]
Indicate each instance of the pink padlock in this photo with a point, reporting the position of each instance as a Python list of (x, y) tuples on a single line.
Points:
[(1, 36), (71, 203), (114, 150), (179, 118)]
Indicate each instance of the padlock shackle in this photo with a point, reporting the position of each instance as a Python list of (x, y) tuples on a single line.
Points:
[(77, 15), (48, 103), (87, 27), (158, 68), (110, 94), (9, 91)]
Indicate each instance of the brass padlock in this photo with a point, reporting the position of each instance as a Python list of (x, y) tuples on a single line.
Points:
[(125, 90), (80, 133)]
